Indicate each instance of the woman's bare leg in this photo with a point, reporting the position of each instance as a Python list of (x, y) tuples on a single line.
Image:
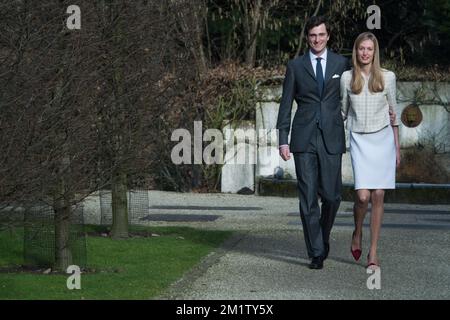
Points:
[(377, 198), (359, 212)]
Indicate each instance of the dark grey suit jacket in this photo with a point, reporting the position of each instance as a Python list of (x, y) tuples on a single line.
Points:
[(300, 84)]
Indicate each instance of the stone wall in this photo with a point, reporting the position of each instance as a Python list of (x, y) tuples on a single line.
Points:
[(433, 134)]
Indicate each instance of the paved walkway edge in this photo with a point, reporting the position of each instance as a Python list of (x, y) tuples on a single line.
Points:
[(176, 290)]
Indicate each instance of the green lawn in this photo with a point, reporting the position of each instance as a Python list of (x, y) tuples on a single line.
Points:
[(135, 268)]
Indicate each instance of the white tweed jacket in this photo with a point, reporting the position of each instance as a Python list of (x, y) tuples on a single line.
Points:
[(368, 112)]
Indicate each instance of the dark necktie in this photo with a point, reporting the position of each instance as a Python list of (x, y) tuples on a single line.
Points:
[(319, 76)]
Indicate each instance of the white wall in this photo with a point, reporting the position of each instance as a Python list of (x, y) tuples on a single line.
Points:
[(236, 175)]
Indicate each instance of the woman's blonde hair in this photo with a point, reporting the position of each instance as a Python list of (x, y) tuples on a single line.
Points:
[(376, 81)]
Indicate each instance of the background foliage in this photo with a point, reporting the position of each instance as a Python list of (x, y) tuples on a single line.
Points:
[(78, 106)]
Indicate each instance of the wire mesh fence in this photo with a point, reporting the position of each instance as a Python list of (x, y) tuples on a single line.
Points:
[(138, 206), (37, 220), (40, 236)]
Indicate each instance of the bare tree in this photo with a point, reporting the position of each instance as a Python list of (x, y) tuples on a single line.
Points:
[(142, 62), (43, 124), (79, 106)]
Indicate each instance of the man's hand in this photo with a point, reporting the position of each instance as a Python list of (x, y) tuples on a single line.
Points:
[(392, 116), (285, 153)]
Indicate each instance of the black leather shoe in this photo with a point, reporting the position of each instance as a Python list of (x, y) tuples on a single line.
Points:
[(316, 263), (327, 250)]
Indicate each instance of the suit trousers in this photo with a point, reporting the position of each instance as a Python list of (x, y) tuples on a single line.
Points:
[(318, 174)]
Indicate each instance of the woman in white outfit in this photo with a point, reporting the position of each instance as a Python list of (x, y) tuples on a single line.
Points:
[(368, 93)]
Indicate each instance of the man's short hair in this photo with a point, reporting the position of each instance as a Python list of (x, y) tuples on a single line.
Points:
[(316, 21)]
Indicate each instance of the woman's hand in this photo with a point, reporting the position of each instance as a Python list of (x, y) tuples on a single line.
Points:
[(392, 116), (397, 157)]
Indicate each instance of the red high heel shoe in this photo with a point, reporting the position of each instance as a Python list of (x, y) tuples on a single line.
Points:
[(357, 252)]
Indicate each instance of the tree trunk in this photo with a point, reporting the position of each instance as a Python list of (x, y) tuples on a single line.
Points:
[(119, 201), (208, 37), (119, 206), (251, 28), (62, 198), (191, 18), (62, 208), (200, 56)]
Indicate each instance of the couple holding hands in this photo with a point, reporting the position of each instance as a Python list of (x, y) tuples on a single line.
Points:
[(328, 91)]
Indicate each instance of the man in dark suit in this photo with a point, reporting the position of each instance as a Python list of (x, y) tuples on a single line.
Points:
[(317, 137)]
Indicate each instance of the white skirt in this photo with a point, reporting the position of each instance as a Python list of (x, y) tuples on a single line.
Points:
[(373, 159)]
